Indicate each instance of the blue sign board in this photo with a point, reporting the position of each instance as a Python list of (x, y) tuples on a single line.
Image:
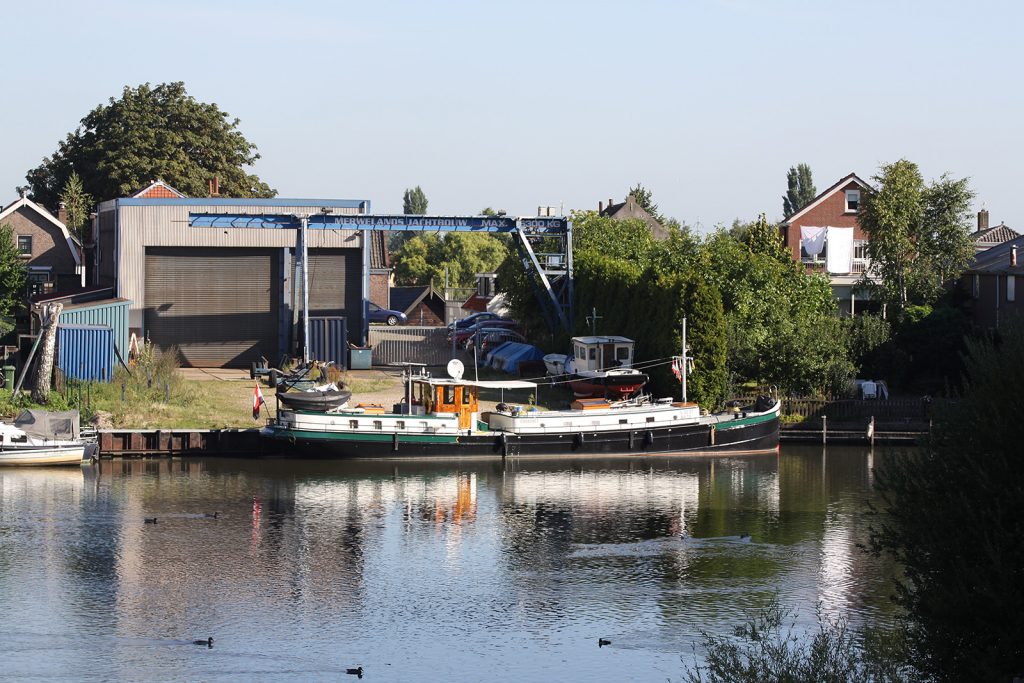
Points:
[(320, 221)]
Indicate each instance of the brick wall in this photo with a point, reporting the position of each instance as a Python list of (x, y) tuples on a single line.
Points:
[(49, 247), (380, 289), (831, 212)]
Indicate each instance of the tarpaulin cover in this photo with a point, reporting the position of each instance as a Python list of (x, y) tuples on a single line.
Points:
[(48, 425), (508, 356)]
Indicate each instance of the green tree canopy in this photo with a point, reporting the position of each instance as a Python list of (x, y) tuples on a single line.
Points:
[(951, 518), (12, 274), (427, 257), (148, 133), (414, 202), (919, 236), (800, 189), (77, 204)]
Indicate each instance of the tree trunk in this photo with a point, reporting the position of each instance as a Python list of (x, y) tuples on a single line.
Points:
[(41, 388)]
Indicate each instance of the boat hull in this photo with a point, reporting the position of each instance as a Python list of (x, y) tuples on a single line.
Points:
[(611, 386), (753, 434), (46, 457)]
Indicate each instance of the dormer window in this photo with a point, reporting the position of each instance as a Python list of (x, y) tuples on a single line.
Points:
[(852, 201)]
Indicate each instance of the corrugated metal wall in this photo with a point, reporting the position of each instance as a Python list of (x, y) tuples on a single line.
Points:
[(335, 286), (218, 306), (140, 227), (410, 344), (328, 340), (112, 314), (86, 352)]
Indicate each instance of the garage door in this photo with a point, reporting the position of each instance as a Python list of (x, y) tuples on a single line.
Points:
[(335, 283), (218, 306)]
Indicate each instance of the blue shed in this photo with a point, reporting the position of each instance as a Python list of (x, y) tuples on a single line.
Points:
[(86, 351), (112, 313)]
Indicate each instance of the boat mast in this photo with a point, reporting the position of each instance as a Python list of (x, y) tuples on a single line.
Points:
[(684, 368), (303, 224)]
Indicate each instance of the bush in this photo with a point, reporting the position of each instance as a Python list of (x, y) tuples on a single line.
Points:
[(770, 648)]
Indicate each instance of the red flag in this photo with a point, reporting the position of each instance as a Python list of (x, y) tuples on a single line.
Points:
[(257, 401), (676, 369)]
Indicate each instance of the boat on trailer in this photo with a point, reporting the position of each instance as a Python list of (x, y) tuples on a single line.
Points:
[(441, 417)]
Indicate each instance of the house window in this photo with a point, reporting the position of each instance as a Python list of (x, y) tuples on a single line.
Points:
[(25, 245), (860, 250), (852, 201), (976, 286), (39, 280), (804, 256), (1011, 287)]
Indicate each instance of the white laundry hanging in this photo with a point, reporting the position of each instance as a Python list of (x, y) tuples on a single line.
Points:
[(839, 259), (812, 239)]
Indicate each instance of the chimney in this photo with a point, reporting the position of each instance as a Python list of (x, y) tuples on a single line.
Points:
[(62, 214), (1013, 256), (600, 207), (610, 202), (983, 220)]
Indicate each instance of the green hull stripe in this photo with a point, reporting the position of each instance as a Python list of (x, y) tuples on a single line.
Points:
[(736, 424), (341, 436)]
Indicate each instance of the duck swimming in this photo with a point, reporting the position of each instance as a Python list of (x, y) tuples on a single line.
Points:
[(358, 671), (601, 642), (208, 642), (211, 515), (150, 520)]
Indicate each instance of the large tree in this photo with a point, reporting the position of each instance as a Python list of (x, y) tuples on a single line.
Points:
[(918, 235), (800, 189), (77, 204), (414, 201), (951, 516), (148, 133), (428, 257), (12, 276)]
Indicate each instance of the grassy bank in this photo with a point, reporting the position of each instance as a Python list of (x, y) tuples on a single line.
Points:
[(167, 400)]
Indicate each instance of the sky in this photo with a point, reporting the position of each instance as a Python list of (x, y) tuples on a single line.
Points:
[(520, 104)]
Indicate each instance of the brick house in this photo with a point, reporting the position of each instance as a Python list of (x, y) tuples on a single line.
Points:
[(826, 236), (986, 238), (158, 189), (991, 284), (53, 256), (381, 272), (423, 304)]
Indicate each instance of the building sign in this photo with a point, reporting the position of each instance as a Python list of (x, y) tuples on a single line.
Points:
[(321, 221)]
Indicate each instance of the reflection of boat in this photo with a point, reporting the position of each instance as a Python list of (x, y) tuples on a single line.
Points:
[(555, 363), (40, 437), (443, 419), (325, 397), (603, 366)]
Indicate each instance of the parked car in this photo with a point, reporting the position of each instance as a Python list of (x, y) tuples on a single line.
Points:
[(490, 338), (463, 335), (473, 319), (386, 315)]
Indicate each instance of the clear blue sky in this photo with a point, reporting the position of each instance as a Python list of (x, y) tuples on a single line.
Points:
[(519, 104)]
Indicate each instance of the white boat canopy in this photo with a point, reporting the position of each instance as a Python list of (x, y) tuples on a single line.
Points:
[(483, 384)]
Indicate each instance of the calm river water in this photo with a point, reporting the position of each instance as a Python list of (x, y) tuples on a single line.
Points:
[(421, 571)]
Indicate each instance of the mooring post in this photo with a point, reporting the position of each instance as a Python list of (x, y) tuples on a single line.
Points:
[(824, 428)]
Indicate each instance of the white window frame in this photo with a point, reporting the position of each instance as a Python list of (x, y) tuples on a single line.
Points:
[(855, 194)]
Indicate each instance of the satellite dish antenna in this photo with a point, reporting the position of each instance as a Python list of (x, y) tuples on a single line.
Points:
[(455, 368)]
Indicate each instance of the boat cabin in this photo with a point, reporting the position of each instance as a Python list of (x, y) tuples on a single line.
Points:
[(457, 397), (595, 354)]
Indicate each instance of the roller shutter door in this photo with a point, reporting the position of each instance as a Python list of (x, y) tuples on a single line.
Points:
[(335, 286), (218, 306)]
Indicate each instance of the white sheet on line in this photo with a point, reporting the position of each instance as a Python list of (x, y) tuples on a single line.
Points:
[(812, 239), (839, 259)]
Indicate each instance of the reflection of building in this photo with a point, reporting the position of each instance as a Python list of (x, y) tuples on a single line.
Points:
[(826, 237)]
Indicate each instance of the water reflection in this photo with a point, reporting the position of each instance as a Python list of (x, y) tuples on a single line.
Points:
[(421, 570)]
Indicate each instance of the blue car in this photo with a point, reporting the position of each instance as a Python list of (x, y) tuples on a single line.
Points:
[(386, 315)]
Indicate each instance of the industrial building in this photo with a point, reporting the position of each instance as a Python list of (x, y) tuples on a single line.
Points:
[(224, 292)]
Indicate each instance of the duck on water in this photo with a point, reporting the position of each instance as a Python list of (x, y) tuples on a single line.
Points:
[(441, 417)]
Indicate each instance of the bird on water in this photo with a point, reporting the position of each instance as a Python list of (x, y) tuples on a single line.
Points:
[(211, 515), (601, 642), (208, 642), (358, 671), (150, 520)]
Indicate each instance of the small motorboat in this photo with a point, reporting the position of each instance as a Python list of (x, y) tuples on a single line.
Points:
[(555, 363), (324, 397), (603, 367), (40, 437)]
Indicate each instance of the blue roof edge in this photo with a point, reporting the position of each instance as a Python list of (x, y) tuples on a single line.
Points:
[(363, 204)]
